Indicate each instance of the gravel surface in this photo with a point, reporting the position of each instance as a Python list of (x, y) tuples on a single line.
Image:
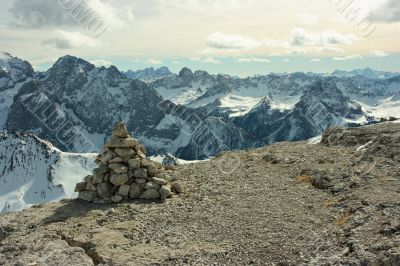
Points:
[(335, 203)]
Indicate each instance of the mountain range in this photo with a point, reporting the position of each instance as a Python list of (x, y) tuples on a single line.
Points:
[(192, 115)]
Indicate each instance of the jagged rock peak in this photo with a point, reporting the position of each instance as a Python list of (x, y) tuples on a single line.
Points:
[(265, 102), (186, 73), (72, 61)]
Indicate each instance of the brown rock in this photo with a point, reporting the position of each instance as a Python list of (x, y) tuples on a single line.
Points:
[(119, 179), (120, 130), (122, 143), (135, 191), (87, 195), (141, 155), (145, 162), (125, 153), (118, 168), (107, 156), (134, 163), (150, 185), (165, 191), (140, 181), (88, 178), (142, 148), (124, 190), (176, 187), (80, 187), (117, 198), (150, 194), (116, 160), (140, 173), (159, 181), (104, 190), (152, 170)]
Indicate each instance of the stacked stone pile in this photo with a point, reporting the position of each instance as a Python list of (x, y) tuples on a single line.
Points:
[(124, 172)]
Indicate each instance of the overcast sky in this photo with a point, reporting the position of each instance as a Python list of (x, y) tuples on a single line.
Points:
[(240, 37)]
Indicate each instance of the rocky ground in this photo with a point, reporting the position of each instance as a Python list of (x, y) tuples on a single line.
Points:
[(334, 203)]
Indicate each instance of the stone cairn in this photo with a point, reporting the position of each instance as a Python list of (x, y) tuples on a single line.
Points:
[(124, 172)]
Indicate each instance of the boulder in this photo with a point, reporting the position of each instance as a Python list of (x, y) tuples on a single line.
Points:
[(116, 160), (119, 179), (176, 187), (135, 191), (140, 173), (152, 170), (80, 187), (120, 130), (150, 185), (150, 194), (165, 191), (159, 181), (140, 181), (118, 168), (134, 163), (124, 190), (104, 190), (87, 195), (107, 156), (125, 153), (115, 142), (144, 163), (117, 198)]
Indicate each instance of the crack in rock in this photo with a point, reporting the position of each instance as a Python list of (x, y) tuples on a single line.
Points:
[(88, 247)]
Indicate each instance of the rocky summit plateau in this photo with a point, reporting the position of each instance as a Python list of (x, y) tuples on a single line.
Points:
[(330, 202)]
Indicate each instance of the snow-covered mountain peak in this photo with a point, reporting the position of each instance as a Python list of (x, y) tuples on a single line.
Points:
[(16, 69), (364, 72), (33, 171)]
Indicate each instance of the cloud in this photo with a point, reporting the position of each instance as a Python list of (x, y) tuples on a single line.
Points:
[(388, 11), (40, 13), (299, 41), (208, 60), (153, 61), (176, 62), (349, 57), (61, 39), (315, 60), (377, 53), (286, 60), (308, 19), (253, 60), (218, 40), (101, 62), (71, 13), (301, 38)]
